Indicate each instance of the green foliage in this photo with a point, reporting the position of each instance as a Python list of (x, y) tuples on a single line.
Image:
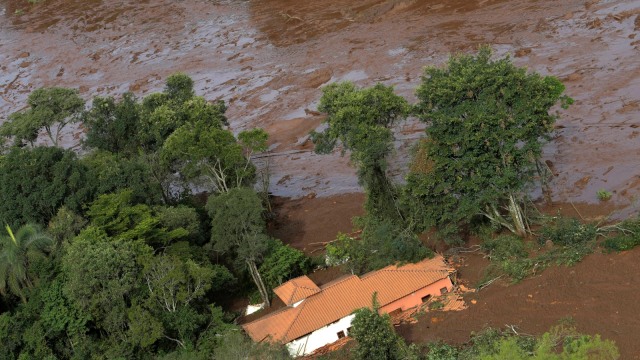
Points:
[(65, 225), (238, 227), (442, 351), (283, 263), (101, 277), (383, 243), (236, 346), (50, 109), (361, 120), (180, 218), (173, 283), (115, 172), (603, 195), (510, 255), (113, 126), (627, 236), (119, 217), (486, 124), (567, 232), (376, 338), (35, 183), (17, 253), (574, 347), (204, 151)]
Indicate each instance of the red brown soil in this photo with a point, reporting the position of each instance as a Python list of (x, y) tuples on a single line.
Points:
[(599, 294), (309, 223), (269, 59)]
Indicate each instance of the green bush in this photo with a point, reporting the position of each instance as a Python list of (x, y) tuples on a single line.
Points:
[(567, 232), (621, 242)]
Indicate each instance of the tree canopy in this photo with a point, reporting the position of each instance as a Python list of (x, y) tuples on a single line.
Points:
[(361, 120), (36, 182), (50, 109), (487, 122)]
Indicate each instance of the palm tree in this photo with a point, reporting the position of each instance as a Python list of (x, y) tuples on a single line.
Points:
[(17, 252)]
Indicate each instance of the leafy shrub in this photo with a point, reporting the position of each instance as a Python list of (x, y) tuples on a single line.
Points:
[(509, 255), (603, 195), (567, 232), (442, 351), (505, 247), (627, 238)]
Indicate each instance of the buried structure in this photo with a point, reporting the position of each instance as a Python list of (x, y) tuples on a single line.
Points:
[(317, 316)]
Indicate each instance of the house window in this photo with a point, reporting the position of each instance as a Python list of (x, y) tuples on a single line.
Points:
[(340, 334), (444, 290), (426, 298)]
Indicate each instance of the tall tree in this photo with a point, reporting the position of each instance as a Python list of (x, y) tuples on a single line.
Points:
[(487, 122), (113, 125), (17, 252), (238, 226), (50, 109), (361, 120)]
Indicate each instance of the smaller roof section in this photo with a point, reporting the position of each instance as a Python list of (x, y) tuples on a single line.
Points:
[(296, 289)]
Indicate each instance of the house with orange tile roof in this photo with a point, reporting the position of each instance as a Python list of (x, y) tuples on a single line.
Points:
[(316, 316)]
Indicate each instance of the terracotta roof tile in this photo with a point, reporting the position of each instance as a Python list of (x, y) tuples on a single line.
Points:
[(296, 289), (342, 297)]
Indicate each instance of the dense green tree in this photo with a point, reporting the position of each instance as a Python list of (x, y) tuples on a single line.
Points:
[(201, 151), (113, 172), (50, 109), (361, 120), (376, 338), (65, 225), (17, 252), (238, 226), (382, 243), (102, 276), (163, 113), (487, 121), (36, 182), (119, 217), (113, 125), (282, 264)]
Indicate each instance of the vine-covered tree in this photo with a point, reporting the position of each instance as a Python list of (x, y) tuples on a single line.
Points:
[(487, 122), (50, 109), (361, 120)]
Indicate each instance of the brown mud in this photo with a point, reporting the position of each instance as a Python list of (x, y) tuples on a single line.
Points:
[(269, 58), (599, 296)]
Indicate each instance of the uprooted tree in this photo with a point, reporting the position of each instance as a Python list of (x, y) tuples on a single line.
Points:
[(487, 122)]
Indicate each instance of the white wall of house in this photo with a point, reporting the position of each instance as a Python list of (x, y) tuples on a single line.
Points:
[(319, 338)]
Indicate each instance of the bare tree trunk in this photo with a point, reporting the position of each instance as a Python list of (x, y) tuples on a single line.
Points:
[(517, 216), (253, 270)]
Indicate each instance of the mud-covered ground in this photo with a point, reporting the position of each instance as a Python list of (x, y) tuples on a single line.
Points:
[(269, 58)]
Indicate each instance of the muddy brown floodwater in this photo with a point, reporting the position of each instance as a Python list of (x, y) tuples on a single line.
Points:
[(269, 58)]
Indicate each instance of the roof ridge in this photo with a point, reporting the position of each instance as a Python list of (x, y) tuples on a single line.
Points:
[(277, 312), (337, 281), (293, 321)]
